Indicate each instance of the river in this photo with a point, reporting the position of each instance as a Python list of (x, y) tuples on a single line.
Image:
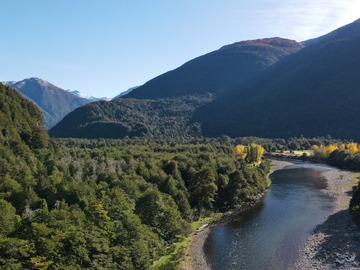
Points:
[(270, 235)]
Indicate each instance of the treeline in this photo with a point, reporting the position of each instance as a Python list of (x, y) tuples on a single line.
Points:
[(98, 204)]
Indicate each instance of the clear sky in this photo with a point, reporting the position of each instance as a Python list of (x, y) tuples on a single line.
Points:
[(104, 47)]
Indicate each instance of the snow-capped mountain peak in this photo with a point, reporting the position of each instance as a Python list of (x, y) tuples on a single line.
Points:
[(82, 95)]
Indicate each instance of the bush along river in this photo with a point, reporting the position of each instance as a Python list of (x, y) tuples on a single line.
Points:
[(270, 235)]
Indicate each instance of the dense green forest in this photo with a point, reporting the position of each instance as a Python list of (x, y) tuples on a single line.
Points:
[(107, 204)]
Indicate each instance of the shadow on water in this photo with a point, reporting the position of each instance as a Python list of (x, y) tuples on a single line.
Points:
[(342, 240)]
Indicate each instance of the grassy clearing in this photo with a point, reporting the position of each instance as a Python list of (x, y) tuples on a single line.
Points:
[(179, 253), (175, 252), (296, 153)]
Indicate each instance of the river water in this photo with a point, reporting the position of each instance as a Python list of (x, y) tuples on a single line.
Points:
[(270, 235)]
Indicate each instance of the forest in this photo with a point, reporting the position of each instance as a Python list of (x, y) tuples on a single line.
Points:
[(109, 204), (122, 204)]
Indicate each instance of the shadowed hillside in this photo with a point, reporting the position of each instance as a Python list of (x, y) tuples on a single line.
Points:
[(312, 93), (220, 70)]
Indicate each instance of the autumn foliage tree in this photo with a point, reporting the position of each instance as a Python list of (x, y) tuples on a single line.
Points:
[(251, 153), (322, 151)]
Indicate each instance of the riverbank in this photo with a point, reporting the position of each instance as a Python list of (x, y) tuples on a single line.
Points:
[(197, 255), (335, 243)]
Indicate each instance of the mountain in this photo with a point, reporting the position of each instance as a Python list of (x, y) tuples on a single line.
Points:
[(219, 70), (133, 117), (53, 101), (314, 92), (265, 88), (181, 92)]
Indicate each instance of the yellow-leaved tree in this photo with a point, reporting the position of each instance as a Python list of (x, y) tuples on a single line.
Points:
[(251, 153), (323, 151), (241, 151), (353, 148)]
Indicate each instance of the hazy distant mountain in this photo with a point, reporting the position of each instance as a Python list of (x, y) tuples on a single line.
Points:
[(53, 101), (312, 93), (346, 32), (126, 92), (220, 70)]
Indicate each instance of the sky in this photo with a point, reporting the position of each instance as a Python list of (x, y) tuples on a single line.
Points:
[(102, 48)]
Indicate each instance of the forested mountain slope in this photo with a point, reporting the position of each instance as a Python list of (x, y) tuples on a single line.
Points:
[(133, 117), (219, 70)]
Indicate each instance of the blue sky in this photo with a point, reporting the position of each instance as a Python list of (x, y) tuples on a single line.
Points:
[(105, 47)]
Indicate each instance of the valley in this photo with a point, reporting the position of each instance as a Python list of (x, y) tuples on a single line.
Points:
[(176, 173)]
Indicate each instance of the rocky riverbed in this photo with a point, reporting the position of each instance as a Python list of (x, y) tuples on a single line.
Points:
[(334, 244)]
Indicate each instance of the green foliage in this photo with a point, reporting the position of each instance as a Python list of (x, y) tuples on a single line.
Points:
[(9, 221), (105, 204), (159, 212), (203, 188)]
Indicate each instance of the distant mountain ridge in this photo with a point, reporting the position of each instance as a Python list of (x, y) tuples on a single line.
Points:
[(53, 101)]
